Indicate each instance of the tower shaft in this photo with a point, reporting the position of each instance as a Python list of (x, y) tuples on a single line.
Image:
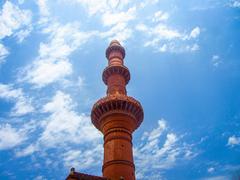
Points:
[(117, 116)]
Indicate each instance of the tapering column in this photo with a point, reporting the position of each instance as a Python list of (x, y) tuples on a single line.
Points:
[(117, 116)]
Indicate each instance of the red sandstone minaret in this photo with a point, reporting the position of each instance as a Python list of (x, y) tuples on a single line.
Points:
[(117, 116)]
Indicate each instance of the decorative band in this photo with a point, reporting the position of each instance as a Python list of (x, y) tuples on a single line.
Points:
[(121, 70), (118, 129), (125, 162), (117, 137)]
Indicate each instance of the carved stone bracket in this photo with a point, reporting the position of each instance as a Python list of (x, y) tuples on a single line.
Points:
[(117, 104), (110, 70)]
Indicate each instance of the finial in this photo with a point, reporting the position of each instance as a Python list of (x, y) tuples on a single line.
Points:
[(72, 170)]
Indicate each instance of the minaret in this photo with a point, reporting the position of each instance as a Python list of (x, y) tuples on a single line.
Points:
[(117, 115)]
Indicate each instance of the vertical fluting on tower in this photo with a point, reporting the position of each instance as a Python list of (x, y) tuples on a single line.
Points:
[(117, 116)]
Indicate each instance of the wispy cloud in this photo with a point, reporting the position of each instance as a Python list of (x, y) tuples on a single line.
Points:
[(216, 61), (22, 103), (112, 18), (151, 158), (160, 16), (12, 18), (165, 39), (94, 7), (13, 21), (3, 53), (53, 63), (119, 19), (57, 126), (235, 3), (10, 137), (210, 169), (82, 159), (43, 11), (62, 127), (233, 141), (119, 24), (216, 178), (195, 33)]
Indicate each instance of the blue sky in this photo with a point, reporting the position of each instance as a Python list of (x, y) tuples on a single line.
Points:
[(184, 60)]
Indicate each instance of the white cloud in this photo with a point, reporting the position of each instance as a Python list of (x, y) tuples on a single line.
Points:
[(64, 125), (94, 7), (3, 53), (62, 128), (110, 18), (141, 27), (145, 3), (10, 137), (43, 11), (76, 84), (60, 102), (22, 103), (231, 168), (114, 17), (211, 169), (233, 141), (151, 157), (42, 73), (22, 34), (163, 48), (40, 178), (27, 151), (165, 39), (63, 40), (13, 21), (216, 60), (226, 169), (21, 1), (194, 47), (156, 133), (160, 31), (118, 17), (84, 158), (195, 33), (80, 82), (120, 32), (160, 16), (215, 57), (172, 47), (216, 178), (164, 32), (235, 3), (43, 7), (119, 23), (53, 64), (12, 18)]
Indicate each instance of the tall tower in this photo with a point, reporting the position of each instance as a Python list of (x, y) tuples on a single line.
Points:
[(117, 115)]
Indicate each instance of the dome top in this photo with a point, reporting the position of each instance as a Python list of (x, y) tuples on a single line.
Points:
[(115, 42), (115, 46)]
